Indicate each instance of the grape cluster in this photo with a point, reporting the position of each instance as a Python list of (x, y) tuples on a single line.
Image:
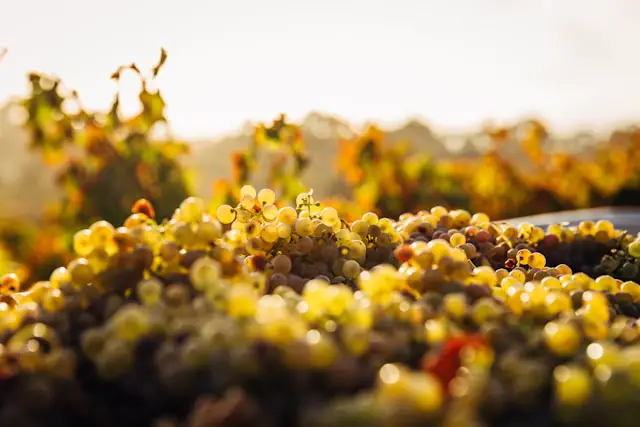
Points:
[(263, 314)]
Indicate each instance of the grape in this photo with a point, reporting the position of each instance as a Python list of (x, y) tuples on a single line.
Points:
[(634, 249), (269, 233), (536, 260), (150, 291), (192, 210), (304, 245), (101, 234), (184, 234), (287, 215), (205, 273), (208, 231), (129, 323), (303, 227), (225, 214), (561, 338), (281, 264), (9, 284), (329, 216), (82, 243), (80, 272), (269, 212), (350, 269), (266, 197), (417, 315), (248, 190), (284, 231), (572, 385)]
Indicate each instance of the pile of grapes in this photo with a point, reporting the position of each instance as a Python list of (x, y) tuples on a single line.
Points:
[(264, 314)]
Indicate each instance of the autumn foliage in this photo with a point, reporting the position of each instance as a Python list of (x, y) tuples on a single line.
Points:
[(105, 163)]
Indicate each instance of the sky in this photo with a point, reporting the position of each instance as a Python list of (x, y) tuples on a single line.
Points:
[(452, 63)]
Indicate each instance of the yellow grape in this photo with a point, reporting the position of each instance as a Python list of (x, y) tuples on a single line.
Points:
[(192, 209), (269, 212), (572, 385), (248, 190), (287, 215), (101, 234), (248, 202), (266, 196), (82, 243), (225, 214)]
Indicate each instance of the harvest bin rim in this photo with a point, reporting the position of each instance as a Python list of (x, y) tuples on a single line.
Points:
[(625, 218)]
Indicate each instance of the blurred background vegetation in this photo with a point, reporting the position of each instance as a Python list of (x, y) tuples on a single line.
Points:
[(63, 167)]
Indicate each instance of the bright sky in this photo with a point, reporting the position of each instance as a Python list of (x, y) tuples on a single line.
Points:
[(453, 62)]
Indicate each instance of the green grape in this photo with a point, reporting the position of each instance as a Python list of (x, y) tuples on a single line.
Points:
[(208, 231), (242, 301), (269, 212), (485, 275), (225, 214), (53, 300), (438, 249), (484, 310), (21, 339), (457, 239), (287, 215), (248, 190), (361, 228), (150, 291), (322, 350), (80, 271), (9, 284), (357, 248), (82, 243), (98, 260), (537, 260), (455, 305), (192, 209), (101, 234), (587, 228), (115, 359), (351, 269), (479, 219), (59, 277), (605, 283), (205, 273), (562, 339), (604, 353), (184, 234), (266, 196), (634, 248), (340, 298), (370, 218), (303, 227), (284, 231), (254, 246), (329, 216), (523, 256), (92, 342), (572, 385), (169, 251), (248, 202), (129, 323), (251, 229), (269, 232)]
